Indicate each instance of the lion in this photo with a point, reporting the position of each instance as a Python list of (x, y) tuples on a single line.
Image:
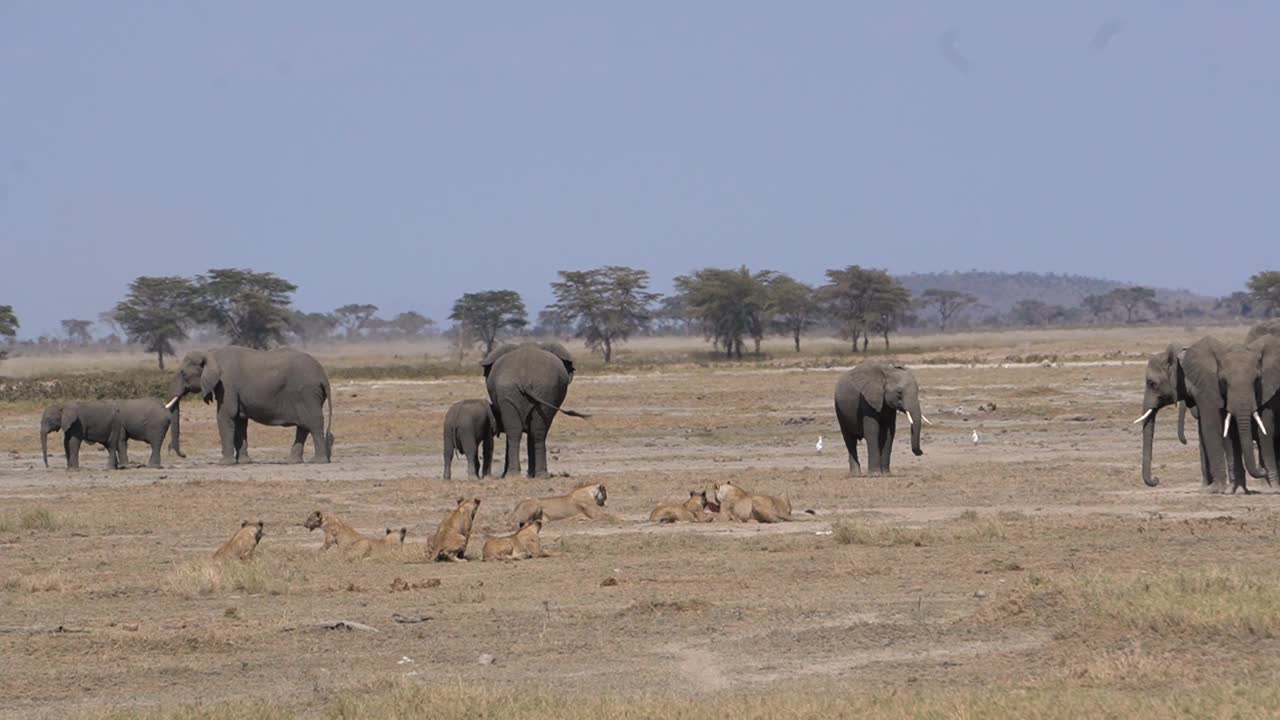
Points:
[(692, 510), (393, 537), (242, 544), (521, 544), (337, 532), (450, 540), (742, 506), (583, 500)]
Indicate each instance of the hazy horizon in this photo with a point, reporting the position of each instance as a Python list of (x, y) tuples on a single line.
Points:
[(401, 154)]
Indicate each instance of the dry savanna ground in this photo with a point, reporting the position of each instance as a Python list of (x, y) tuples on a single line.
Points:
[(1028, 575)]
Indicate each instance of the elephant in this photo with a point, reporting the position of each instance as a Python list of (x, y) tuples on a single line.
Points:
[(868, 399), (1266, 434), (282, 387), (527, 384), (1219, 382), (468, 425), (93, 422)]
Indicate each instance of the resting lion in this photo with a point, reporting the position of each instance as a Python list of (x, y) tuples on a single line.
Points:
[(243, 544), (393, 537), (450, 540), (743, 506), (337, 532), (692, 510), (521, 544), (584, 500)]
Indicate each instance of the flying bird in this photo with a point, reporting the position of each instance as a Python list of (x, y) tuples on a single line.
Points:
[(818, 445), (1106, 31), (951, 53)]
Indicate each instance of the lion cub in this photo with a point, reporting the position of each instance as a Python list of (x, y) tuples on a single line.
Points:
[(692, 510), (743, 506), (450, 540), (583, 500), (521, 544), (243, 544)]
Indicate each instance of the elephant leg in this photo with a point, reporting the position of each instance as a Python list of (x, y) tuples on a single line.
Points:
[(71, 445), (851, 445), (156, 443), (886, 449), (486, 468), (312, 423), (1206, 476), (122, 453), (227, 435), (1268, 444), (449, 452), (872, 432), (512, 423), (470, 448), (241, 441), (1214, 452), (539, 426), (299, 440), (1236, 439)]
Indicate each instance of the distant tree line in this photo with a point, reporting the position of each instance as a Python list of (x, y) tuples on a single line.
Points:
[(606, 306)]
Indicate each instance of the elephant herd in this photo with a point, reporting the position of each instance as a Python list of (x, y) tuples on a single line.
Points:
[(1233, 391)]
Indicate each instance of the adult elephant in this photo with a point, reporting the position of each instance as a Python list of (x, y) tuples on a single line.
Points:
[(868, 400), (1219, 381), (1267, 434), (281, 387), (527, 384)]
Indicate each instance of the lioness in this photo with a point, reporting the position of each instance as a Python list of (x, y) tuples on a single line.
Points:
[(336, 531), (692, 510), (743, 506), (242, 544), (584, 500), (521, 544), (450, 540), (393, 537)]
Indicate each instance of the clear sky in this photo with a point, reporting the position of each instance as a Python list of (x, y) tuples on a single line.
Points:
[(401, 153)]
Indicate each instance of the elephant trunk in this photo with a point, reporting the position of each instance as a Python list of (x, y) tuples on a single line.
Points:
[(1243, 414), (1182, 422), (1148, 438), (175, 430), (917, 418), (45, 429)]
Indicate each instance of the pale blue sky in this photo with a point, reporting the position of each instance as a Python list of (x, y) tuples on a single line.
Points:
[(402, 153)]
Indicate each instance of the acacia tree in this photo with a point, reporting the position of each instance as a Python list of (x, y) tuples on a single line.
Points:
[(309, 327), (1265, 288), (1099, 306), (483, 315), (729, 304), (355, 317), (412, 324), (791, 305), (77, 331), (8, 321), (250, 308), (947, 304), (858, 297), (156, 313), (605, 305), (1133, 299)]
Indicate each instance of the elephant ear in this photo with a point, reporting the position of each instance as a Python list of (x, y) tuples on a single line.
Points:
[(492, 357), (1200, 367), (70, 414), (1270, 370), (559, 351), (210, 377), (869, 381)]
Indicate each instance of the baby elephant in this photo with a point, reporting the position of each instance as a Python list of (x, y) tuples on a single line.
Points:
[(470, 425)]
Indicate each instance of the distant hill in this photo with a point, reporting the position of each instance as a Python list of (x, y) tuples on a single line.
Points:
[(1000, 291)]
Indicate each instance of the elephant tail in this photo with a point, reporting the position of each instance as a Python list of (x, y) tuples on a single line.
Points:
[(524, 391)]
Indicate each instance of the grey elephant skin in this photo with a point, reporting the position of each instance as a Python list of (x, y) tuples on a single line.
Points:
[(1218, 381), (282, 387), (868, 399), (469, 429), (1267, 437), (527, 385), (80, 422)]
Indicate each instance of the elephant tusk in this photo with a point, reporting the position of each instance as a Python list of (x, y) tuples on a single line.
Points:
[(910, 419), (1261, 427), (1226, 425), (925, 419), (169, 405), (1145, 415)]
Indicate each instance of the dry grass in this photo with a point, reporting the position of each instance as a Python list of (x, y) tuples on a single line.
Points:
[(38, 582), (851, 533), (1032, 702), (33, 519), (212, 577)]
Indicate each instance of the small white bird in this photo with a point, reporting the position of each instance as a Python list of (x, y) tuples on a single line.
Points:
[(975, 437), (818, 445)]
